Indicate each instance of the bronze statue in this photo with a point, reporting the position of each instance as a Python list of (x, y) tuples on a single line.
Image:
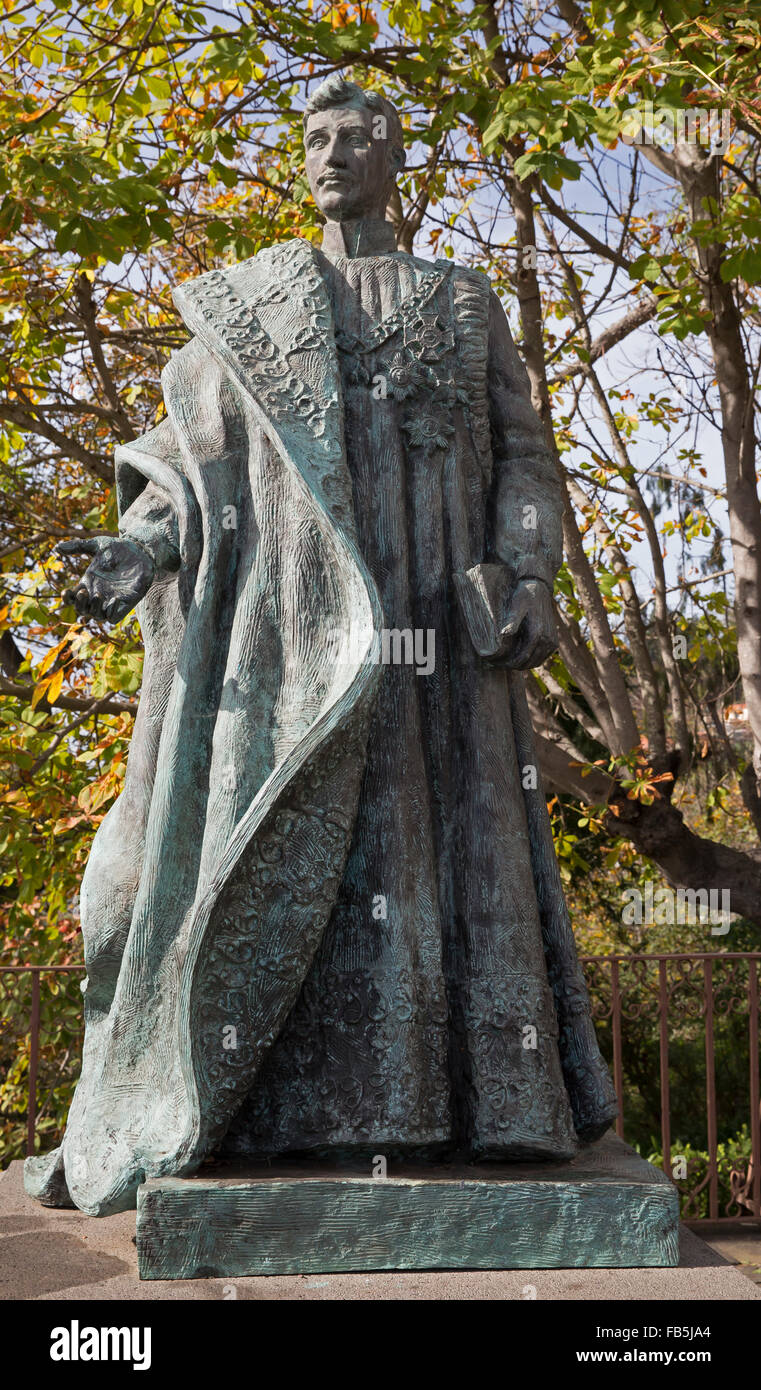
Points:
[(325, 915)]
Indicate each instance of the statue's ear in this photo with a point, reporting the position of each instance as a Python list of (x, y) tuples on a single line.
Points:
[(397, 158)]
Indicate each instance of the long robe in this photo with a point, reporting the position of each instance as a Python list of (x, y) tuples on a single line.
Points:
[(325, 915)]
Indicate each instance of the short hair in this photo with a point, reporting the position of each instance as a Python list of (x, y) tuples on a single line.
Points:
[(336, 91)]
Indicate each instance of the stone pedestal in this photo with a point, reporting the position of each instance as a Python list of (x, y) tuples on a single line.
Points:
[(607, 1208)]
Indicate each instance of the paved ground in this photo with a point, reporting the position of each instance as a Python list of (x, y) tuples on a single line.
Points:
[(50, 1255), (739, 1245)]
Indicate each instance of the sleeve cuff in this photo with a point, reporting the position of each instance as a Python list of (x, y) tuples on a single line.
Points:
[(535, 567)]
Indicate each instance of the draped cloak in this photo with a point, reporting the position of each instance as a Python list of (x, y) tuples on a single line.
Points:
[(325, 914)]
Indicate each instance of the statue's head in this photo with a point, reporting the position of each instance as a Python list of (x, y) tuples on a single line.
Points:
[(354, 150)]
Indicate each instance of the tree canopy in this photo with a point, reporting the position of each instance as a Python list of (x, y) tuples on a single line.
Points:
[(557, 146)]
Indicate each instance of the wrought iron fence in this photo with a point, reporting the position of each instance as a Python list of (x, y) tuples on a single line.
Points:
[(29, 1055), (663, 1003), (648, 1009)]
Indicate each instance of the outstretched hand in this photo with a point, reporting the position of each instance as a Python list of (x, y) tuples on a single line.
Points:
[(529, 634), (120, 575)]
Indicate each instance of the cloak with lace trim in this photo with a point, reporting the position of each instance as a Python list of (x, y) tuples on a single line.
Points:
[(212, 878)]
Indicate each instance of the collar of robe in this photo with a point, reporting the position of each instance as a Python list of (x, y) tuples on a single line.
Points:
[(364, 236)]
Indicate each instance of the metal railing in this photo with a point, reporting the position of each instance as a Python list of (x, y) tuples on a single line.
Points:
[(667, 989), (34, 1034), (671, 988)]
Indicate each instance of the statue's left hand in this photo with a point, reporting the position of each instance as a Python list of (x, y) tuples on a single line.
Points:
[(529, 634)]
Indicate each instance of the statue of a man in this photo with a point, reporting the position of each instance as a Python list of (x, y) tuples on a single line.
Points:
[(325, 916)]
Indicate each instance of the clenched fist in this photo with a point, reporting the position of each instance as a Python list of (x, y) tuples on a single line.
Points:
[(120, 575), (528, 635)]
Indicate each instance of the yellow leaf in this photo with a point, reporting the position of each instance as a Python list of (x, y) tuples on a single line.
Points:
[(50, 657), (39, 692), (54, 689), (49, 689)]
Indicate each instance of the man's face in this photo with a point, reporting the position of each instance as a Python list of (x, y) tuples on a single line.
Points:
[(346, 165)]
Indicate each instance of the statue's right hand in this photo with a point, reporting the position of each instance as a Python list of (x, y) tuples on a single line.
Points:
[(120, 575)]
